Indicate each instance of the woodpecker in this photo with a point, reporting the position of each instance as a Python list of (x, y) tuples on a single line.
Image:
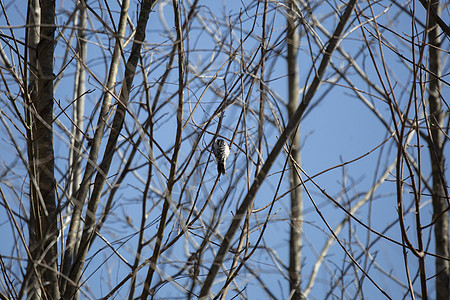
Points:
[(221, 150)]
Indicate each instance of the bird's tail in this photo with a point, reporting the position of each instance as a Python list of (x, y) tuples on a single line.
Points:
[(221, 167)]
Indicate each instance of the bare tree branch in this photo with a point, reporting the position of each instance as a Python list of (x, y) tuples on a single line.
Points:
[(293, 123)]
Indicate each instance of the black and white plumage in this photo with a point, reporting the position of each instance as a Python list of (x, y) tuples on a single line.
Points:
[(221, 151)]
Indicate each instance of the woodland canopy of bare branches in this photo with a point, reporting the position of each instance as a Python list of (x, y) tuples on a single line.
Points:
[(337, 117)]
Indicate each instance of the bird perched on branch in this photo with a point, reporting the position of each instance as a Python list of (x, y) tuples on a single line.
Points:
[(221, 151)]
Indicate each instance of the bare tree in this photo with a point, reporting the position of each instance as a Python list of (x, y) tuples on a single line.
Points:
[(43, 207), (295, 239), (435, 127), (108, 184)]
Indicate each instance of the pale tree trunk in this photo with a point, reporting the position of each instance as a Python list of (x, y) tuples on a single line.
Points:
[(78, 104), (33, 21), (46, 230), (295, 240), (439, 196), (78, 122)]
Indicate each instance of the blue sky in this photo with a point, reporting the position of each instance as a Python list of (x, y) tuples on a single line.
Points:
[(338, 129)]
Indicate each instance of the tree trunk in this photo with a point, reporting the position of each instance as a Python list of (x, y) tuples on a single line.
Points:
[(46, 227), (295, 240), (439, 197), (33, 21)]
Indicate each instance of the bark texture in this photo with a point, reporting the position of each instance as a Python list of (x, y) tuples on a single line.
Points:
[(439, 196), (46, 226), (295, 239)]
